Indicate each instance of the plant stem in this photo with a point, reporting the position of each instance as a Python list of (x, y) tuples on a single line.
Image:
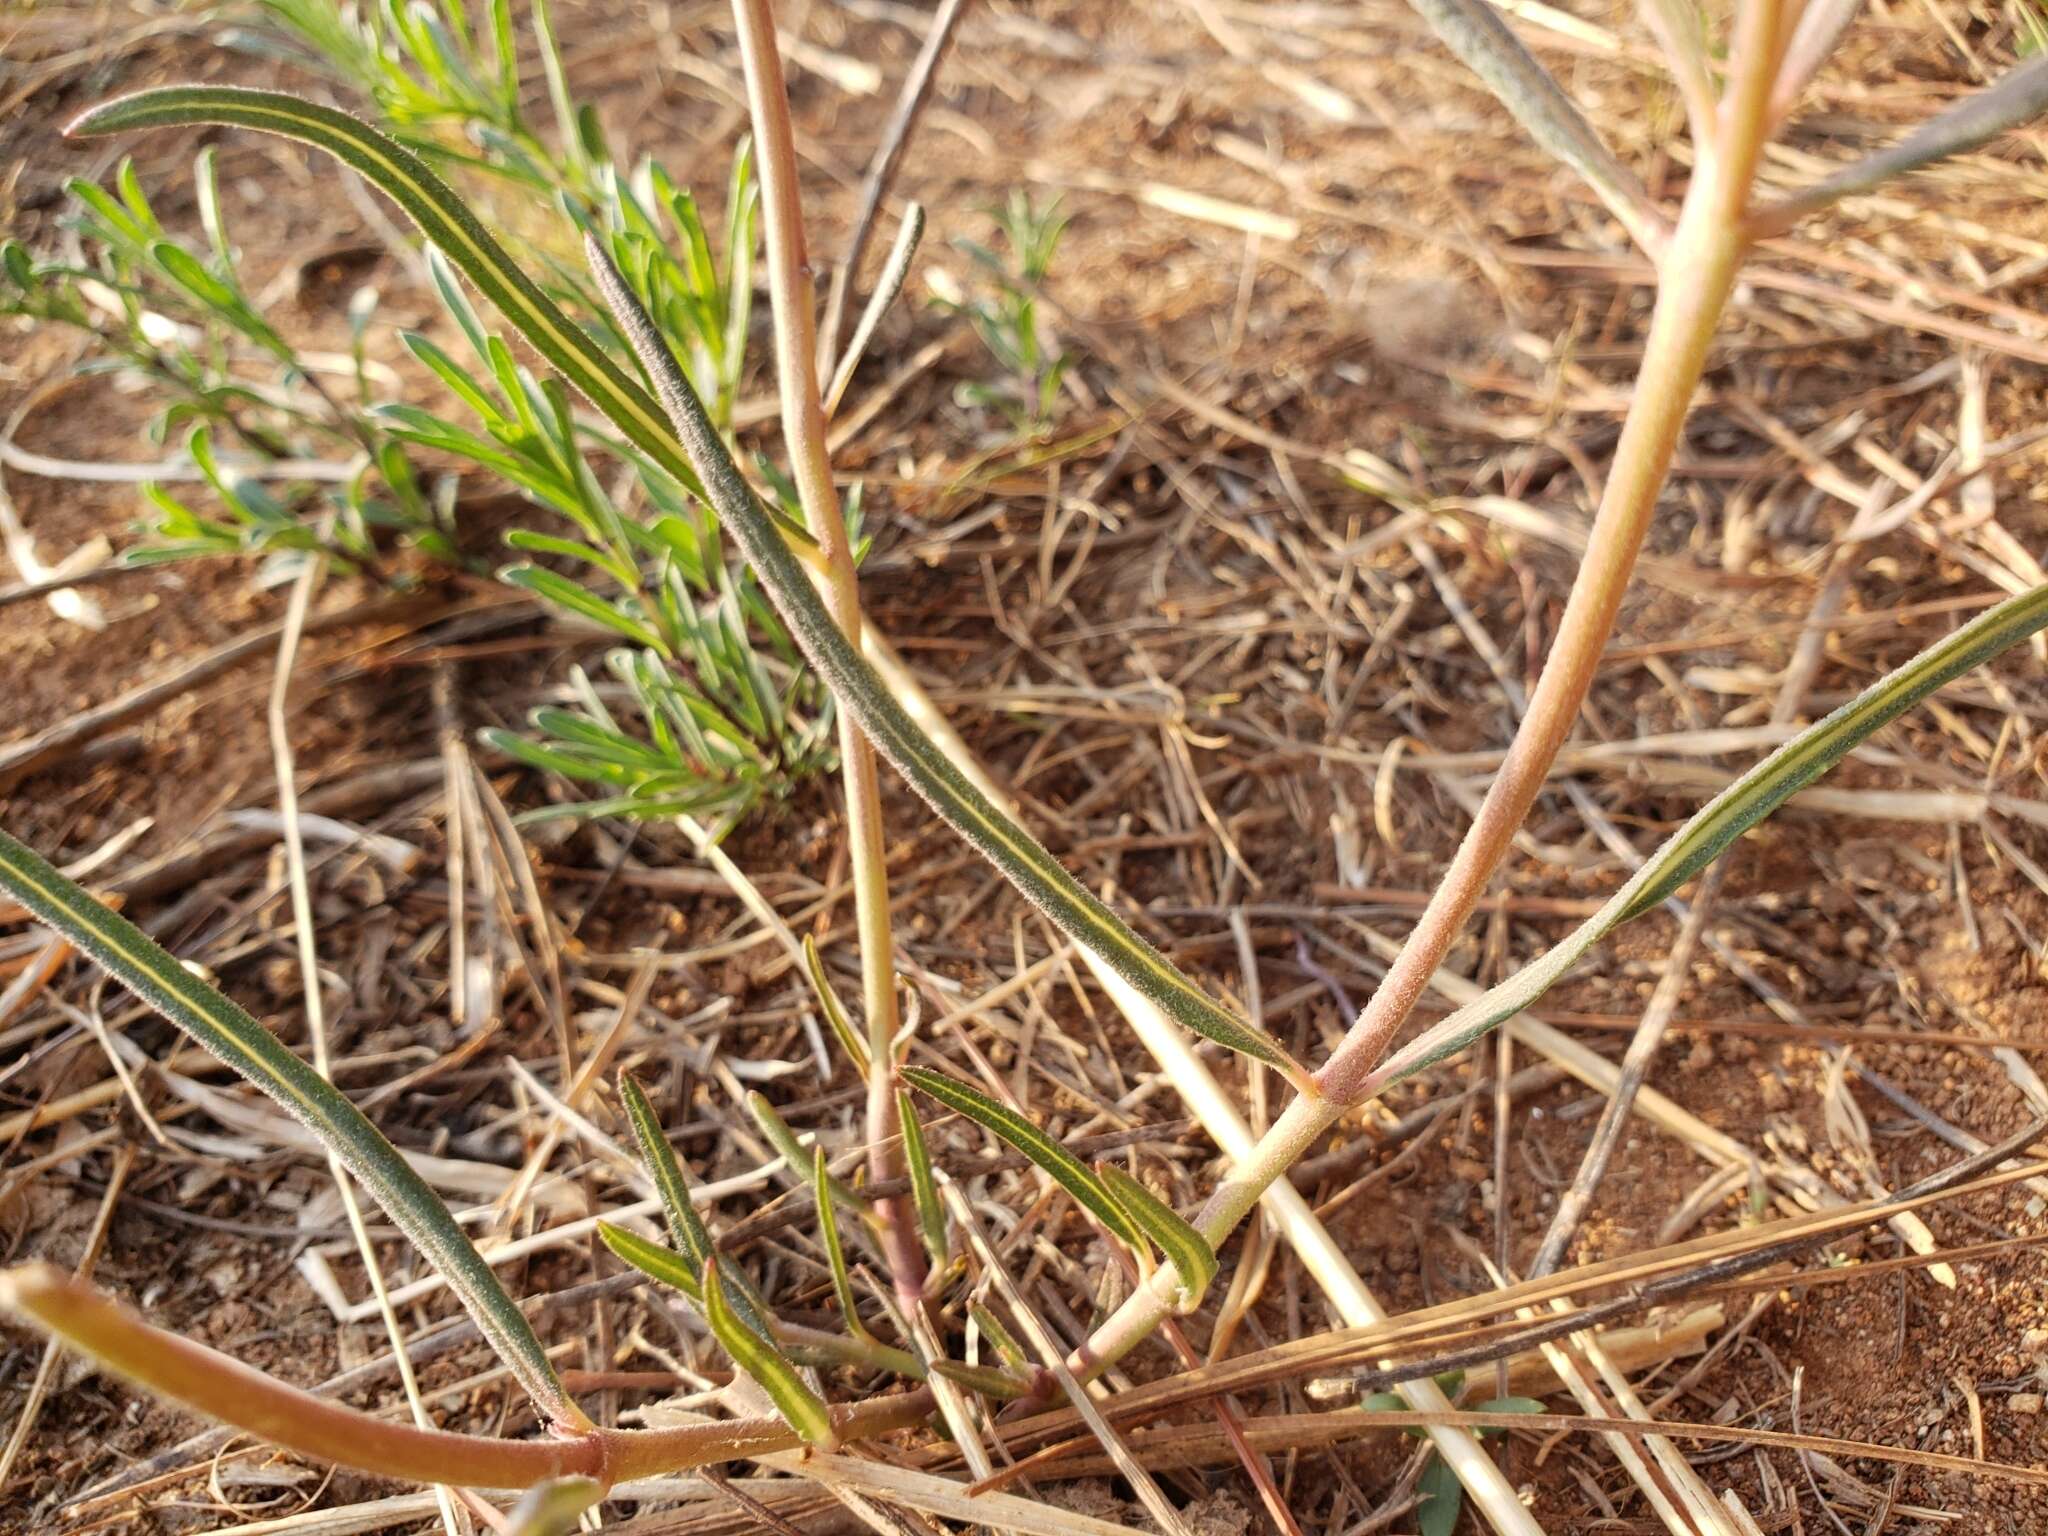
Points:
[(803, 430), (1699, 267), (917, 90), (221, 1387), (1705, 252)]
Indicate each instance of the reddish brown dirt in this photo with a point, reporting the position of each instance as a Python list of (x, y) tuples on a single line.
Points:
[(1364, 331)]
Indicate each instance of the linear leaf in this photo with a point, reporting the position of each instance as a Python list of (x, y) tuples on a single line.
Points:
[(450, 225), (653, 1260), (1008, 1350), (835, 1251), (686, 1228), (223, 1028), (441, 216), (552, 1508), (784, 1140), (1019, 856), (1726, 817), (1474, 31), (924, 1193), (578, 599), (1006, 1124), (1190, 1253), (835, 1014), (985, 1379), (673, 1270), (800, 1407), (2018, 96)]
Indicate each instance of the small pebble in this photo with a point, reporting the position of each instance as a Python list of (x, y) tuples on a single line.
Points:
[(2024, 1402)]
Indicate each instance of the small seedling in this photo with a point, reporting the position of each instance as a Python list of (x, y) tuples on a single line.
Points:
[(1008, 320), (800, 549)]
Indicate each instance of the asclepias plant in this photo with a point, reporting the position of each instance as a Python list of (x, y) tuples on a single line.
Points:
[(806, 570)]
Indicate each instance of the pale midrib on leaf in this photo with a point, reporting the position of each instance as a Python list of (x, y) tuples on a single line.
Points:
[(230, 1033), (1727, 816), (1027, 864), (440, 215)]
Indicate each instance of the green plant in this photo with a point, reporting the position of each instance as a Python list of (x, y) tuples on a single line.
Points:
[(1443, 1496), (177, 316), (1008, 321), (1717, 224), (707, 708)]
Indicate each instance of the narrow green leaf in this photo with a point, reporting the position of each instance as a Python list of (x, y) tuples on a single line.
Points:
[(1726, 817), (828, 1352), (835, 1015), (1193, 1259), (121, 226), (1475, 32), (451, 373), (129, 955), (686, 1228), (527, 542), (801, 1408), (571, 764), (568, 595), (1019, 856), (505, 47), (441, 216), (455, 301), (2016, 97), (1006, 1124), (742, 205), (185, 269), (1007, 1348), (835, 1251), (924, 1193), (985, 1379), (558, 89), (206, 184), (785, 1141), (552, 1508), (19, 265), (653, 1260)]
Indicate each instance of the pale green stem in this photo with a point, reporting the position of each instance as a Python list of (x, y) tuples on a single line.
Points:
[(1698, 273), (803, 430)]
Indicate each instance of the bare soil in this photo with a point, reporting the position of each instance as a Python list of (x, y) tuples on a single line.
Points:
[(1160, 635)]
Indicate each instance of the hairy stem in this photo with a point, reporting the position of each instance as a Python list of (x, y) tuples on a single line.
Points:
[(223, 1388), (803, 430), (1700, 267)]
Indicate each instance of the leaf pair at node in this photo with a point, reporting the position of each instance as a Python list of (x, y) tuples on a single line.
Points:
[(1130, 1212)]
